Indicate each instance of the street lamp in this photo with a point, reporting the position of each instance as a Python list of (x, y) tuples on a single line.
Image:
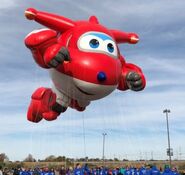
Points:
[(103, 156), (169, 150)]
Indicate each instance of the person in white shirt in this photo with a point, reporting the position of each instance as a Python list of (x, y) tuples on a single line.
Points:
[(1, 172)]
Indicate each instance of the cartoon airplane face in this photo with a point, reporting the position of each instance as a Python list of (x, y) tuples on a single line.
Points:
[(84, 62), (98, 42)]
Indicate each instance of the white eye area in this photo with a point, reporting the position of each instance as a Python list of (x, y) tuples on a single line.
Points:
[(97, 42), (89, 42)]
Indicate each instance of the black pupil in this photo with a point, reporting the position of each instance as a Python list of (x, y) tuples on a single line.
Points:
[(94, 42), (110, 46)]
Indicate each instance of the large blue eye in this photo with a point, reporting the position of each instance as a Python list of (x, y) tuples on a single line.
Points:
[(94, 43), (110, 47)]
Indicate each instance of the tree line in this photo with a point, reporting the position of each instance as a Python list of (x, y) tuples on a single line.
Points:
[(52, 158)]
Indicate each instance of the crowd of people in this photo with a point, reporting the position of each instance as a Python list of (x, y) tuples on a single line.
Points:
[(85, 170), (144, 170)]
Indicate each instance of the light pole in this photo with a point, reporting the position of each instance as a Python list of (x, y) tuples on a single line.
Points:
[(169, 150), (103, 155)]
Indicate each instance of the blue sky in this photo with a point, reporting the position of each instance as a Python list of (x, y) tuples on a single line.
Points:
[(134, 122)]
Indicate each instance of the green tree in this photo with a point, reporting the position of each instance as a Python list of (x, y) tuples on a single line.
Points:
[(50, 158), (29, 158), (3, 157)]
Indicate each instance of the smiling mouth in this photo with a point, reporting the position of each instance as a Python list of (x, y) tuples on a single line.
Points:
[(84, 91)]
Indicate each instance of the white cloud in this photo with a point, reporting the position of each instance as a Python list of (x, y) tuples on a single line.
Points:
[(7, 4)]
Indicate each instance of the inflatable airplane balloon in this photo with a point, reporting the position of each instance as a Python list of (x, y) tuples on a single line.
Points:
[(84, 62)]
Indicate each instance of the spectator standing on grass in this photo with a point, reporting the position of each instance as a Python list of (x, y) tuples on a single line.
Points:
[(78, 170), (52, 171), (160, 169), (6, 171), (148, 170), (20, 171), (62, 171), (106, 170), (137, 170), (133, 171), (174, 171), (102, 171), (94, 171), (69, 171), (1, 172), (122, 171), (167, 170), (155, 171), (25, 172), (46, 171), (16, 171), (183, 173), (36, 171), (109, 172), (31, 171), (98, 171), (86, 170), (127, 171), (142, 170), (115, 171), (42, 171)]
